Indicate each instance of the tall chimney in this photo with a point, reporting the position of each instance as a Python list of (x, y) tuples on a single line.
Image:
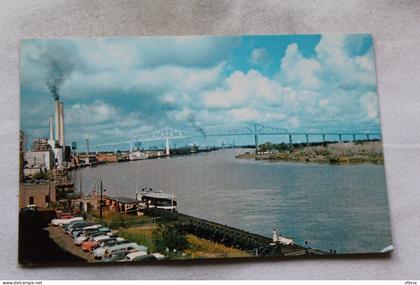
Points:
[(50, 123), (62, 142), (57, 121)]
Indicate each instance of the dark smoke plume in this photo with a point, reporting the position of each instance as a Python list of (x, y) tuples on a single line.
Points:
[(60, 61), (193, 123)]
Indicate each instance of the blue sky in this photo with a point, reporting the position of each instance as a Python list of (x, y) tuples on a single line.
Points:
[(116, 88)]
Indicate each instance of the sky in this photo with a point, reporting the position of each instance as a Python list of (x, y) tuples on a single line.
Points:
[(116, 88)]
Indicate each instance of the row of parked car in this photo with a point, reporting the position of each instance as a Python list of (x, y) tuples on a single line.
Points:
[(103, 243)]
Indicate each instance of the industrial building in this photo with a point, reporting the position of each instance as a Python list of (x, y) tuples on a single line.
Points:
[(38, 161), (46, 154)]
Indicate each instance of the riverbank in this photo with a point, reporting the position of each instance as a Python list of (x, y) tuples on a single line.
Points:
[(334, 153)]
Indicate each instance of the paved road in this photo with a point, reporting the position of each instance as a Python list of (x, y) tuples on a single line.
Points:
[(66, 243)]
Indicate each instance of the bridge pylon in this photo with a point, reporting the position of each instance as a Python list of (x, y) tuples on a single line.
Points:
[(257, 147), (167, 152)]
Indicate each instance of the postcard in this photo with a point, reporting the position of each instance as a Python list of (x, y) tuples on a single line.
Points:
[(195, 147)]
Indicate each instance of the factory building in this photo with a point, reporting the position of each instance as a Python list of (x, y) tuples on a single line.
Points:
[(46, 154), (38, 161)]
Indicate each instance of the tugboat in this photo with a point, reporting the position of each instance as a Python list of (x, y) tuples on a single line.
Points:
[(156, 199)]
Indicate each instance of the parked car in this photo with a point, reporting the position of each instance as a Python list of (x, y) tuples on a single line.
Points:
[(88, 231), (87, 245), (105, 242), (82, 238), (109, 250), (116, 256), (137, 256), (99, 252), (73, 223), (76, 226), (60, 222), (128, 246), (158, 256)]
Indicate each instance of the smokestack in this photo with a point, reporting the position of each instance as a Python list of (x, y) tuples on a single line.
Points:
[(51, 128), (57, 120), (62, 142)]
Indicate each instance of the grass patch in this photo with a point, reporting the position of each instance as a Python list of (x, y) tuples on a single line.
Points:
[(115, 220), (202, 248), (142, 236)]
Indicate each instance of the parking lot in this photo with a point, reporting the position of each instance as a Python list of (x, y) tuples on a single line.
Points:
[(67, 243)]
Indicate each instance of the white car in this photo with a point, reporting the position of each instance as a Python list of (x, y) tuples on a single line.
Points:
[(134, 256), (158, 256), (97, 226), (109, 250), (100, 251), (60, 222)]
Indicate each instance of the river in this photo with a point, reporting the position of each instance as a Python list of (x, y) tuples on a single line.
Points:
[(341, 207)]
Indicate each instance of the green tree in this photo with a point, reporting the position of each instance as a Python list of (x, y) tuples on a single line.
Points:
[(266, 146), (171, 237)]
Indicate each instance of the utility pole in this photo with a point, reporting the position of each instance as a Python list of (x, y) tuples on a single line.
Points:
[(100, 204), (80, 184)]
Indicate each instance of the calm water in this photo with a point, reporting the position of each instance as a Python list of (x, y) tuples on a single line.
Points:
[(330, 206)]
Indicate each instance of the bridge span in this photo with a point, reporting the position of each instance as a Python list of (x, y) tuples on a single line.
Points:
[(168, 134)]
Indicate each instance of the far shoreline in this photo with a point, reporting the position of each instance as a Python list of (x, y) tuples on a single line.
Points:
[(341, 153)]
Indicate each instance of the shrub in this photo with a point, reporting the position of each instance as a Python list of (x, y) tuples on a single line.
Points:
[(171, 237)]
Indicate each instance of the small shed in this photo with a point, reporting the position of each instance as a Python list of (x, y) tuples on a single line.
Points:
[(122, 204)]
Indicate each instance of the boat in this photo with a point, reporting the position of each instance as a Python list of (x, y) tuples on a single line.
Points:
[(156, 199), (138, 155)]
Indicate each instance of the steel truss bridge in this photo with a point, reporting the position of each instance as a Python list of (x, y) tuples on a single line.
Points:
[(168, 134)]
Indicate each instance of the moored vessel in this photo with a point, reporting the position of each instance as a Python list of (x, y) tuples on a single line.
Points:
[(157, 199)]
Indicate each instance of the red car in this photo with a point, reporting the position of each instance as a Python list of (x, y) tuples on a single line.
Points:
[(92, 242)]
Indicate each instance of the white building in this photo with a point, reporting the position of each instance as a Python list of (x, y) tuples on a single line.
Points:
[(38, 161)]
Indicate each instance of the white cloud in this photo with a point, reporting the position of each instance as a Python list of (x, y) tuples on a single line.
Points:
[(341, 69), (178, 78), (299, 71), (323, 102), (244, 115), (364, 62), (242, 89), (259, 56), (96, 113), (369, 101), (293, 122)]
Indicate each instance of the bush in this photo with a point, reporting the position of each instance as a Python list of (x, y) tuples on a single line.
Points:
[(171, 237)]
